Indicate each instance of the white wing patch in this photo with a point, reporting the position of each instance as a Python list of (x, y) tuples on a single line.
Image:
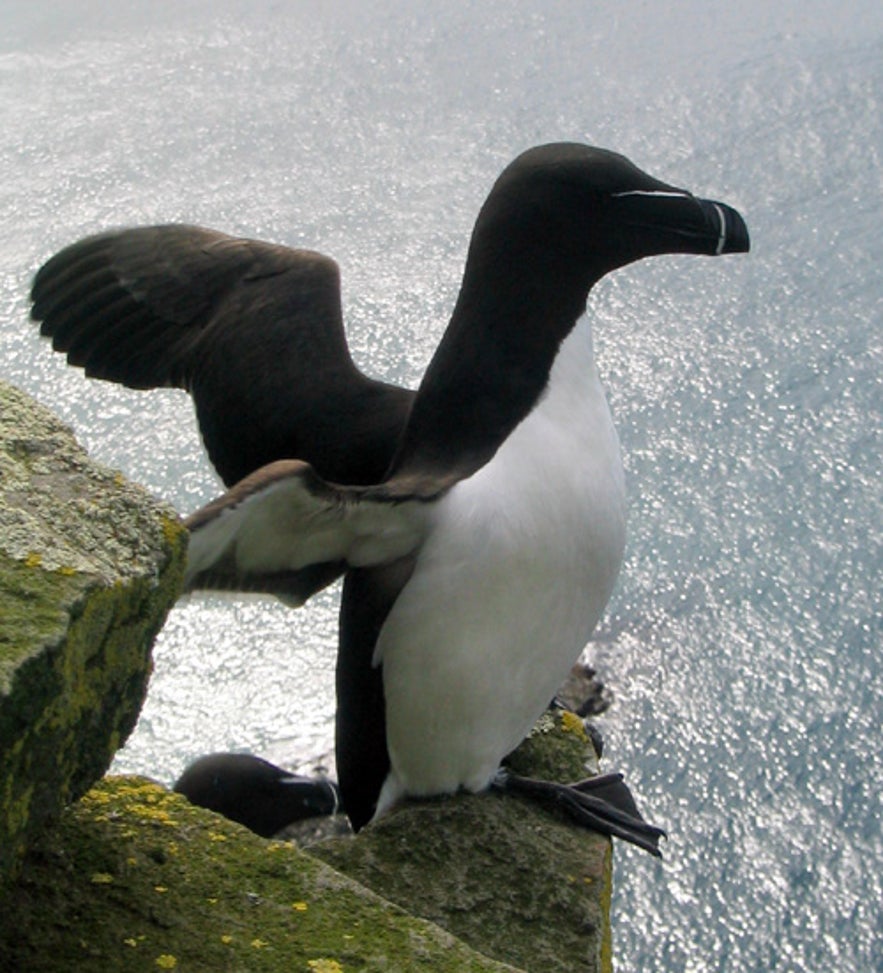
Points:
[(285, 519)]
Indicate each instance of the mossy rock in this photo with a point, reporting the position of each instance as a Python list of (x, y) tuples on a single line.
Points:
[(133, 878), (506, 876), (89, 566)]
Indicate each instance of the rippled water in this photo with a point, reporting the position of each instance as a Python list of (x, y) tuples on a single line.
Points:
[(743, 643)]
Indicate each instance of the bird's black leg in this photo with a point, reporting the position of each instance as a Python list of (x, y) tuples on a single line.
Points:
[(602, 803)]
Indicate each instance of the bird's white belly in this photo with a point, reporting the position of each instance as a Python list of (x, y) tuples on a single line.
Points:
[(518, 564)]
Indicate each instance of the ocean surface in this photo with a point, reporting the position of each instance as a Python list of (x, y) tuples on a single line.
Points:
[(743, 643)]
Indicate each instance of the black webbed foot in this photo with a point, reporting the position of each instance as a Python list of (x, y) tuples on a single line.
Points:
[(602, 803)]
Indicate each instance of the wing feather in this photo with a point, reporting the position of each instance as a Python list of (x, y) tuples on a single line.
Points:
[(254, 331), (286, 531), (180, 278)]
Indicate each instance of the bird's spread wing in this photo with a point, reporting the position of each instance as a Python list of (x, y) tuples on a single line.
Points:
[(131, 305), (254, 331), (285, 531)]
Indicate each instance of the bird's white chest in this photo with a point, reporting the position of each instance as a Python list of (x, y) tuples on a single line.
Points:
[(518, 564)]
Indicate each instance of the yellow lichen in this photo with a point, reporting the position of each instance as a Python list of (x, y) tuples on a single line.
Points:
[(165, 961), (571, 723), (325, 966), (150, 814), (259, 943), (299, 906), (96, 797), (101, 878), (145, 791)]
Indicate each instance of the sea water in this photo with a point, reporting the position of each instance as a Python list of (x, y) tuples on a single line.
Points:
[(743, 642)]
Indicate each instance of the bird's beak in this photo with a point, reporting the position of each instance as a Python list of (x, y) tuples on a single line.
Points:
[(725, 230), (673, 221)]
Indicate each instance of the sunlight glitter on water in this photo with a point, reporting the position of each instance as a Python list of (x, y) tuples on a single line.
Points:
[(742, 644)]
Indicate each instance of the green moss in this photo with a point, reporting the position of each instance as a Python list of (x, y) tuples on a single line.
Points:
[(506, 876), (605, 899), (76, 692), (570, 758), (89, 566), (34, 606), (134, 873)]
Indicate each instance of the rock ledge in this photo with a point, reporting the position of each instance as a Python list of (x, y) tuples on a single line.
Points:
[(89, 566)]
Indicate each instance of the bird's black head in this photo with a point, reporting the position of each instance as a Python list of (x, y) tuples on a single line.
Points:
[(579, 212), (558, 218)]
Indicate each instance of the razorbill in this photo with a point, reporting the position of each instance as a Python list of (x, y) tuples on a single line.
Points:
[(254, 792), (478, 522)]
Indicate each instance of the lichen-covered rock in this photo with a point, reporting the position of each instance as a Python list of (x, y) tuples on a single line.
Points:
[(505, 876), (134, 878), (89, 566)]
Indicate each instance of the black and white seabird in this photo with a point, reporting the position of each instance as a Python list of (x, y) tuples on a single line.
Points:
[(254, 792), (479, 523)]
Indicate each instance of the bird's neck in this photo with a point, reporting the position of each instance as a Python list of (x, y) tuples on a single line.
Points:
[(488, 372)]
